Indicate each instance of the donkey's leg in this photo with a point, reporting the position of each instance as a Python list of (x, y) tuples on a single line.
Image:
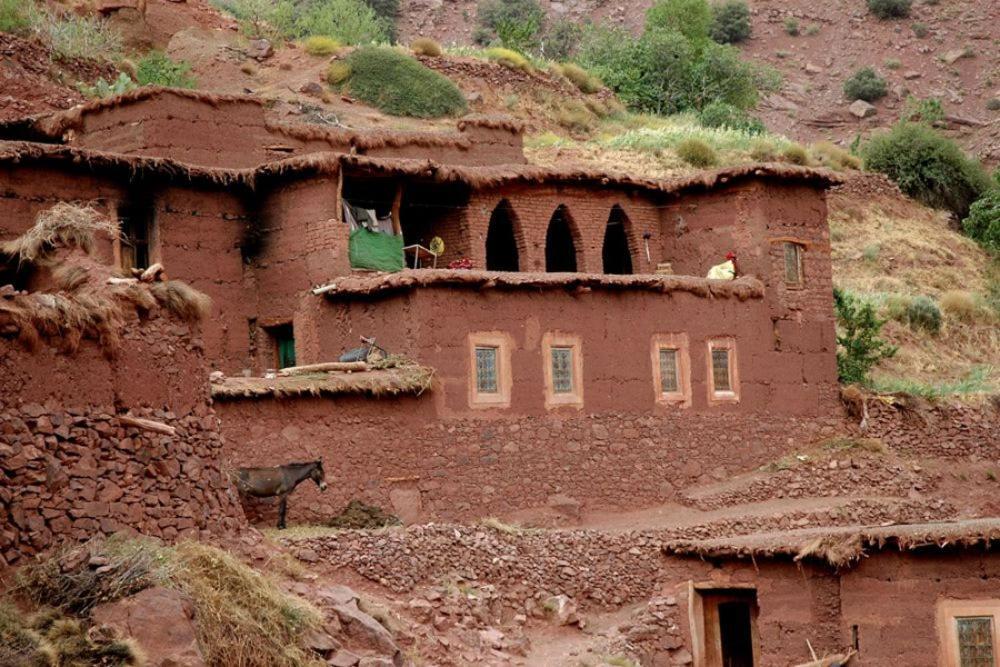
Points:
[(282, 508)]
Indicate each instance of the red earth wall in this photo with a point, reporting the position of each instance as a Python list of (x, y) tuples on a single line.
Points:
[(72, 470)]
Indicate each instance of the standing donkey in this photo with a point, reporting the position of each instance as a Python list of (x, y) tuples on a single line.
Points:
[(279, 481)]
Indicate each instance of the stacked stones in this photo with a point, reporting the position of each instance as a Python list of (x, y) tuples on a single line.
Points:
[(938, 430)]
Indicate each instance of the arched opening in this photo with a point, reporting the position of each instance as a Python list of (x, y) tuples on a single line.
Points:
[(616, 253), (560, 247), (501, 242)]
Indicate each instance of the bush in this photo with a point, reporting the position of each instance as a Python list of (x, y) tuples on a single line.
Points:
[(888, 9), (581, 78), (399, 85), (923, 313), (349, 21), (387, 12), (321, 45), (796, 154), (508, 58), (730, 21), (983, 222), (928, 167), (859, 347), (960, 305), (696, 153), (928, 111), (517, 24), (763, 150), (691, 18), (102, 89), (73, 36), (14, 16), (720, 114), (792, 26), (919, 29), (425, 46), (157, 69), (993, 104), (561, 40), (834, 157), (865, 84), (338, 72)]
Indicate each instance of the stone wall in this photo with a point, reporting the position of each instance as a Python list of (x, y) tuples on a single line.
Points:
[(942, 430), (71, 469)]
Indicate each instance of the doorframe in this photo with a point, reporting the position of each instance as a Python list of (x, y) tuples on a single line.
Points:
[(696, 618)]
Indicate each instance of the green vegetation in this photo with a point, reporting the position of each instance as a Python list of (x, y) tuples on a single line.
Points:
[(508, 58), (691, 18), (834, 157), (338, 72), (102, 88), (720, 114), (71, 36), (859, 346), (796, 154), (889, 9), (387, 12), (321, 45), (349, 21), (14, 16), (865, 84), (425, 46), (696, 153), (399, 85), (978, 381), (927, 166), (157, 69), (928, 111), (561, 40), (792, 26), (919, 29), (579, 77), (983, 221), (513, 24), (730, 21), (923, 313)]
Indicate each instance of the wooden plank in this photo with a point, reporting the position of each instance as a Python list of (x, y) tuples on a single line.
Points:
[(343, 366), (147, 424)]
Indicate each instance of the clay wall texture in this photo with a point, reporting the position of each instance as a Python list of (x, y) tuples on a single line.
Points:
[(71, 470)]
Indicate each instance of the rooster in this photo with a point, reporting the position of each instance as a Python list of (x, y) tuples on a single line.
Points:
[(726, 270)]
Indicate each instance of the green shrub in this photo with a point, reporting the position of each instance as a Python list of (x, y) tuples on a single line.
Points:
[(71, 36), (796, 154), (696, 153), (893, 63), (859, 347), (321, 45), (812, 30), (865, 84), (102, 88), (993, 104), (517, 24), (561, 40), (157, 69), (508, 58), (928, 111), (919, 29), (923, 313), (387, 12), (792, 26), (349, 21), (927, 166), (834, 157), (983, 221), (889, 9), (763, 150), (14, 16), (720, 114), (399, 85), (338, 72), (730, 21), (425, 46), (581, 78), (691, 18)]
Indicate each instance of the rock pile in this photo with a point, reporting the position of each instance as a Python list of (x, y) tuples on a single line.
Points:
[(937, 430)]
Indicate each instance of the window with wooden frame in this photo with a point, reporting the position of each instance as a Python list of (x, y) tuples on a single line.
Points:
[(723, 373), (968, 630), (671, 369), (793, 262), (563, 370), (137, 221), (489, 369), (282, 338)]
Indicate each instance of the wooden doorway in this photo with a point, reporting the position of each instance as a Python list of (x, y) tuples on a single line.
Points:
[(725, 628)]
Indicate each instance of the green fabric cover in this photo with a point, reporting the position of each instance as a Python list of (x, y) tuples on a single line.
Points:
[(375, 251)]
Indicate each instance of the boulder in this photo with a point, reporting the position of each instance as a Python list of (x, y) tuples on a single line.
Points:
[(561, 609), (364, 629), (343, 658), (862, 109), (161, 622), (260, 49)]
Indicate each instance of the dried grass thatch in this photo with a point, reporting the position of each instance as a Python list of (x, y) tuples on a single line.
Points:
[(742, 288), (843, 546), (393, 380), (62, 226)]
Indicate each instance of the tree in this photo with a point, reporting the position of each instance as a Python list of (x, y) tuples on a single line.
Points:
[(859, 347)]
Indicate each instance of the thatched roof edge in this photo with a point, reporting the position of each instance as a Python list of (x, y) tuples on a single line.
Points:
[(411, 379)]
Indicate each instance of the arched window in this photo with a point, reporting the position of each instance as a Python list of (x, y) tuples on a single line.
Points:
[(501, 242), (560, 246), (616, 253)]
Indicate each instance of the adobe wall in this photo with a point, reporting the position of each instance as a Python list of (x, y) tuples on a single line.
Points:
[(72, 470), (404, 455)]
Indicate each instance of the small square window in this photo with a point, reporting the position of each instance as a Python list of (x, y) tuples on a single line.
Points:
[(723, 374), (669, 380), (720, 370), (486, 370), (793, 263), (562, 370), (975, 641)]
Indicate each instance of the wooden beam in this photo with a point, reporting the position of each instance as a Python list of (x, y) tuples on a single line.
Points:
[(342, 366), (147, 424)]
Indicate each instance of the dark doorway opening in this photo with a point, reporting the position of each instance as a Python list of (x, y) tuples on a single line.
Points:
[(283, 339), (501, 241), (736, 634), (560, 247), (137, 217), (730, 627), (616, 253)]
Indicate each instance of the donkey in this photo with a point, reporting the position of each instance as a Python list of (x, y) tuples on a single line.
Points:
[(279, 481)]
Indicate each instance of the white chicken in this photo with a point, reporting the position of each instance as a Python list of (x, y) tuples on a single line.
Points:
[(724, 271)]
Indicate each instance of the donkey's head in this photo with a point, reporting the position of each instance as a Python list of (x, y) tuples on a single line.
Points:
[(317, 475)]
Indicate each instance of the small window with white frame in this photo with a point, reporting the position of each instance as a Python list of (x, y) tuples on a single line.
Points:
[(671, 369), (969, 632), (723, 373), (563, 370), (490, 379), (793, 262)]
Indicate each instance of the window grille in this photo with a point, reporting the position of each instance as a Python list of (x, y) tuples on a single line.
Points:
[(975, 641), (562, 370), (486, 370), (720, 370), (793, 263), (669, 382)]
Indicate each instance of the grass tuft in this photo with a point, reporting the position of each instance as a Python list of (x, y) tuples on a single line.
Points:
[(398, 84), (321, 45), (579, 77), (425, 46), (508, 58), (697, 153)]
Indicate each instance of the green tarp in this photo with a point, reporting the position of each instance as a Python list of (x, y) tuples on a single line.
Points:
[(375, 251)]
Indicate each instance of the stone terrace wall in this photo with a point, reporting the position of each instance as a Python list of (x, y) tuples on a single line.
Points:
[(943, 431), (69, 469)]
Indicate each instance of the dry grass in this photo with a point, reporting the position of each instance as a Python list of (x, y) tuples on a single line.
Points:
[(48, 638), (399, 379), (425, 46), (243, 617), (181, 300), (63, 225)]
